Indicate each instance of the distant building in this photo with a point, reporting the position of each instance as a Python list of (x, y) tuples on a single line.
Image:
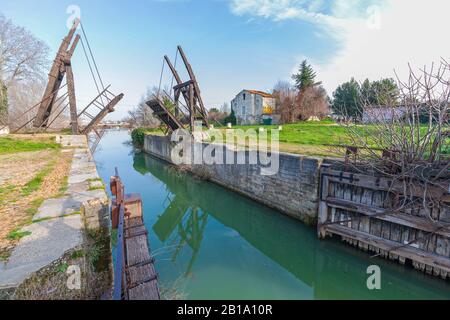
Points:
[(378, 114), (254, 107)]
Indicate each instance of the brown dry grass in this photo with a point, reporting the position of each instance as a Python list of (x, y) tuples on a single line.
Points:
[(50, 283), (16, 170)]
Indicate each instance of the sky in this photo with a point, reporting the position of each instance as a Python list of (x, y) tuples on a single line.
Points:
[(239, 44)]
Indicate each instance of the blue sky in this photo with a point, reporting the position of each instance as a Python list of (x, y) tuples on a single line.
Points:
[(231, 45)]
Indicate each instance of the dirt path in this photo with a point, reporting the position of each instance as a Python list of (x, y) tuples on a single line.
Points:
[(21, 190)]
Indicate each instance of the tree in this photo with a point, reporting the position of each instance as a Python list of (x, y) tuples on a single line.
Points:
[(225, 108), (311, 98), (23, 66), (380, 93), (216, 116), (347, 100), (231, 118), (142, 116), (314, 103), (3, 103), (415, 157), (285, 95), (23, 57), (305, 77)]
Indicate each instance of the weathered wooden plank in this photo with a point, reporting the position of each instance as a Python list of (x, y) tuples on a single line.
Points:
[(398, 218), (146, 291), (141, 274), (382, 184), (408, 252), (323, 208), (72, 99), (102, 114)]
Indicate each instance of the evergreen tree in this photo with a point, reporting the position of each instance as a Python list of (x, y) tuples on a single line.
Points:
[(231, 118), (347, 100), (380, 93), (305, 77)]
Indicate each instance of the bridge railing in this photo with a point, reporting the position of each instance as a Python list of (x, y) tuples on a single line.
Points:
[(118, 190)]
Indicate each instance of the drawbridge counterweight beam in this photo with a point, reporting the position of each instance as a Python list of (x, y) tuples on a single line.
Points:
[(56, 76)]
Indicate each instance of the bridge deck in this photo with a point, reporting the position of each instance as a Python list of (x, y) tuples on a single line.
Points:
[(141, 277), (164, 115)]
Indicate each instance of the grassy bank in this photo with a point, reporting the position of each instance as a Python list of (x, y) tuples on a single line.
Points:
[(12, 144)]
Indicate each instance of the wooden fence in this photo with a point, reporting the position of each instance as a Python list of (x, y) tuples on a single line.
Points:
[(357, 208)]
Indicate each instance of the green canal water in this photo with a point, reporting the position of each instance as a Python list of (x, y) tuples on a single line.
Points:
[(211, 243)]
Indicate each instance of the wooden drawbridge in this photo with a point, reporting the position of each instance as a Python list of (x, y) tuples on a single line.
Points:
[(54, 103), (184, 114)]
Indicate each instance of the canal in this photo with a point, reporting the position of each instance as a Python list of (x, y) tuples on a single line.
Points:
[(210, 243)]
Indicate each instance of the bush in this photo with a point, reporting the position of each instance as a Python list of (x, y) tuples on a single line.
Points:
[(231, 118), (137, 136)]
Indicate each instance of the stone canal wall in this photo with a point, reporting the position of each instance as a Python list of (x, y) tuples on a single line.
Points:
[(293, 190)]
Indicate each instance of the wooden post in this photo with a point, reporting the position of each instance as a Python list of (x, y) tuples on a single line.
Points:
[(323, 207), (197, 93), (72, 100), (191, 107)]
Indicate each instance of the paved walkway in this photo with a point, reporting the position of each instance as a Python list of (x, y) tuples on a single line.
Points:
[(58, 225)]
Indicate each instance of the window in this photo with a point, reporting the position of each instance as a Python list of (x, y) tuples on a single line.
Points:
[(243, 111), (245, 96)]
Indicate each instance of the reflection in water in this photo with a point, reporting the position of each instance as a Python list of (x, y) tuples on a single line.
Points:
[(219, 245), (268, 255)]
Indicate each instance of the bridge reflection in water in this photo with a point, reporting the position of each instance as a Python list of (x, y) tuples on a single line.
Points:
[(320, 269)]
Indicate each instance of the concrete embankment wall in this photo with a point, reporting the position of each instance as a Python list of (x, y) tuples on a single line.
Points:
[(293, 189)]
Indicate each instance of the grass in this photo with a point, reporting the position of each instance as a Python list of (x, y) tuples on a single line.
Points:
[(64, 187), (34, 206), (53, 218), (4, 256), (62, 267), (11, 145), (5, 192), (35, 183), (97, 188), (306, 133), (17, 235)]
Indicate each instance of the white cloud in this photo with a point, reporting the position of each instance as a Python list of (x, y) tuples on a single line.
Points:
[(308, 10), (406, 31)]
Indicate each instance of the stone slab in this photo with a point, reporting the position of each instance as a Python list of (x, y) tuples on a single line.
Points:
[(48, 241), (54, 208)]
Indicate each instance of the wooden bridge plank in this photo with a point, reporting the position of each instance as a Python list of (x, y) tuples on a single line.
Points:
[(140, 268), (146, 291)]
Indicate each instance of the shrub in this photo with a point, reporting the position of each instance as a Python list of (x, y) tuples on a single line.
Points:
[(231, 118), (137, 136)]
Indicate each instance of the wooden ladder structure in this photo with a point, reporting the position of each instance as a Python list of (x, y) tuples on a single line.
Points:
[(135, 277), (105, 103)]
